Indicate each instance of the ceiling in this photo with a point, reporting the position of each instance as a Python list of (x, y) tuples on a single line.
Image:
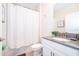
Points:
[(59, 7), (63, 9), (33, 6)]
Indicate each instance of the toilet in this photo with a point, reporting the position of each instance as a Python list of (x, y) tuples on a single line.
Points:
[(37, 49)]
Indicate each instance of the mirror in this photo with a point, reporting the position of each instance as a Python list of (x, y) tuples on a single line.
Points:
[(72, 23)]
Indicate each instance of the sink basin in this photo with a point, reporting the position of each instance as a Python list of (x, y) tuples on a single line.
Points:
[(61, 39)]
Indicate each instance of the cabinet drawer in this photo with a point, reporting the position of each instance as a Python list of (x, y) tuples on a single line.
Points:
[(48, 43)]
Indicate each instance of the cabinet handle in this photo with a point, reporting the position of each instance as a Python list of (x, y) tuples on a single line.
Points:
[(51, 53)]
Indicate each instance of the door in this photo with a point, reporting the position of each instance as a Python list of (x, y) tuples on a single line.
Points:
[(0, 20), (0, 29)]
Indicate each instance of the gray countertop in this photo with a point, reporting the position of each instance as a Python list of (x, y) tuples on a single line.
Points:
[(72, 44)]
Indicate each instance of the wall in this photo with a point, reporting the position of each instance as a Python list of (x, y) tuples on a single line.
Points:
[(63, 9), (72, 23), (46, 21)]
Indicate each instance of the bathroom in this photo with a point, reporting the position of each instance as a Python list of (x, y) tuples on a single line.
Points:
[(33, 29)]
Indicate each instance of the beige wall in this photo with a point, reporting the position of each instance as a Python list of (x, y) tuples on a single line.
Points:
[(63, 9), (46, 21)]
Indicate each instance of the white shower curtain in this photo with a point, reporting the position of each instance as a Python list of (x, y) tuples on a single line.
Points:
[(23, 26)]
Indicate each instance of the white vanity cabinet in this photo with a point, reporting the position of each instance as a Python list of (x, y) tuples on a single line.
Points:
[(51, 48), (48, 49)]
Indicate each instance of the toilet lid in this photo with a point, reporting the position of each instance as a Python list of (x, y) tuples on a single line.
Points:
[(36, 46)]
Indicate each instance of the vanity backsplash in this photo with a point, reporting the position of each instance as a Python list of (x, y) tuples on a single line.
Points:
[(69, 35)]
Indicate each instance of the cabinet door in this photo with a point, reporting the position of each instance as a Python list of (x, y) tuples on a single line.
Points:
[(57, 53), (47, 51)]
